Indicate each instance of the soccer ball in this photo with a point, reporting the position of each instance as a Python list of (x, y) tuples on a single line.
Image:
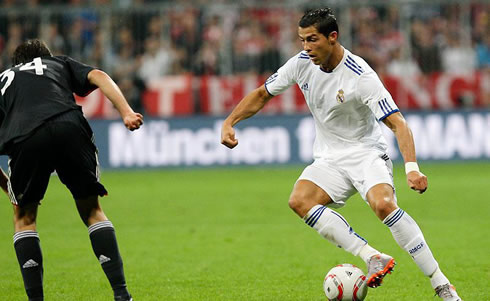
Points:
[(345, 282)]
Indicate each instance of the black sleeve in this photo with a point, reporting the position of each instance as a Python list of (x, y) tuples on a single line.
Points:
[(79, 81)]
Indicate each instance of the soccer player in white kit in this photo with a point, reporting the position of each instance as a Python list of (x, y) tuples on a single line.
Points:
[(347, 99)]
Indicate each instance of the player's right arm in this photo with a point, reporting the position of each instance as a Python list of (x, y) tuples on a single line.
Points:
[(247, 107), (256, 100), (109, 88)]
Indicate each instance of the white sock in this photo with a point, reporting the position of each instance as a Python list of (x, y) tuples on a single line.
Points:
[(410, 238), (333, 227), (367, 252), (438, 278)]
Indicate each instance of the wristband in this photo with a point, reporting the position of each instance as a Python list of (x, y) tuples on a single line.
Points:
[(411, 166)]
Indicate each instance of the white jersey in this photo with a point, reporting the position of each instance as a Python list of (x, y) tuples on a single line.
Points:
[(346, 103)]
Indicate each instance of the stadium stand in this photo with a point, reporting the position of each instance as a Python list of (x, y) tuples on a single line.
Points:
[(413, 45)]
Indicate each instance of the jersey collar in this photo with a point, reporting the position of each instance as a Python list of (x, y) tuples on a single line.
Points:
[(339, 64)]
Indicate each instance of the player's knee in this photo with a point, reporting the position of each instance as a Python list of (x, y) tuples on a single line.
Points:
[(90, 211), (293, 202), (93, 216), (25, 220), (297, 204), (25, 216), (384, 208)]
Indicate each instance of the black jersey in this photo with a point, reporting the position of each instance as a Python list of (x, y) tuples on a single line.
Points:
[(32, 93)]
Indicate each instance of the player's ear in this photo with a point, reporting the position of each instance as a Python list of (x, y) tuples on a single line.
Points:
[(332, 37)]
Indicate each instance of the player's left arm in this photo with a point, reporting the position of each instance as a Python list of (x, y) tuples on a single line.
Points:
[(110, 89), (415, 179)]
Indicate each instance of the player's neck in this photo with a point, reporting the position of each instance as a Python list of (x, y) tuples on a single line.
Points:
[(334, 59)]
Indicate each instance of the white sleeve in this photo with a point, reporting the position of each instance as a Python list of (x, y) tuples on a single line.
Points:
[(284, 78), (373, 94)]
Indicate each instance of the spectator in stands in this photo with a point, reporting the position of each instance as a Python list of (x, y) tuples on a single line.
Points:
[(207, 60), (390, 44), (15, 37), (364, 29), (2, 45), (248, 44), (74, 40), (124, 41), (458, 58), (402, 66), (288, 36), (425, 51), (270, 58), (213, 32), (157, 60), (100, 54), (211, 39), (124, 64), (483, 52), (52, 36), (155, 27), (185, 35)]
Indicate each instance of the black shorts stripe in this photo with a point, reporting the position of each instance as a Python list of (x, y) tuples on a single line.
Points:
[(11, 193)]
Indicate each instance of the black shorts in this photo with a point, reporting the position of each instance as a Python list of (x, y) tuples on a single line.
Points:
[(63, 144)]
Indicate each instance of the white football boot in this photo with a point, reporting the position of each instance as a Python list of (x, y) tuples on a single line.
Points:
[(378, 266), (447, 292)]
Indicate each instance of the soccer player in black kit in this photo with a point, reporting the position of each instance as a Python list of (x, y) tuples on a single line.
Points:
[(43, 130)]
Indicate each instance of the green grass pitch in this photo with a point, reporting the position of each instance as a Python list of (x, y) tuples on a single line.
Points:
[(228, 234)]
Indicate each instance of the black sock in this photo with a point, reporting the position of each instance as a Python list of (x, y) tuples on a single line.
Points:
[(104, 244), (30, 257)]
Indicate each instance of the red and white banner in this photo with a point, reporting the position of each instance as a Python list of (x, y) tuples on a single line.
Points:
[(440, 91), (169, 96), (218, 95)]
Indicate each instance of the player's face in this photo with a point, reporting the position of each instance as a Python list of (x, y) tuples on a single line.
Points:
[(317, 46)]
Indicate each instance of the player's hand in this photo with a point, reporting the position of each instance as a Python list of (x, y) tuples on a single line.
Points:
[(133, 121), (417, 181), (228, 136)]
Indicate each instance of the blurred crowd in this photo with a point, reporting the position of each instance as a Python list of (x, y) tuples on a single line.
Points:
[(136, 42)]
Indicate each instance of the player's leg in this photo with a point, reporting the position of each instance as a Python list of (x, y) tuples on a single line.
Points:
[(78, 169), (366, 170), (104, 244), (29, 172), (28, 250), (90, 210), (309, 201), (409, 237)]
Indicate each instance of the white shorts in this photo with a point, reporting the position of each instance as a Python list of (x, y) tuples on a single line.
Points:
[(342, 178)]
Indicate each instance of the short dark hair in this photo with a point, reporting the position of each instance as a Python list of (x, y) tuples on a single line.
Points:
[(30, 50), (322, 18)]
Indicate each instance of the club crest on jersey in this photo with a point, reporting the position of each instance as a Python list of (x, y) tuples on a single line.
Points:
[(340, 96), (305, 87)]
